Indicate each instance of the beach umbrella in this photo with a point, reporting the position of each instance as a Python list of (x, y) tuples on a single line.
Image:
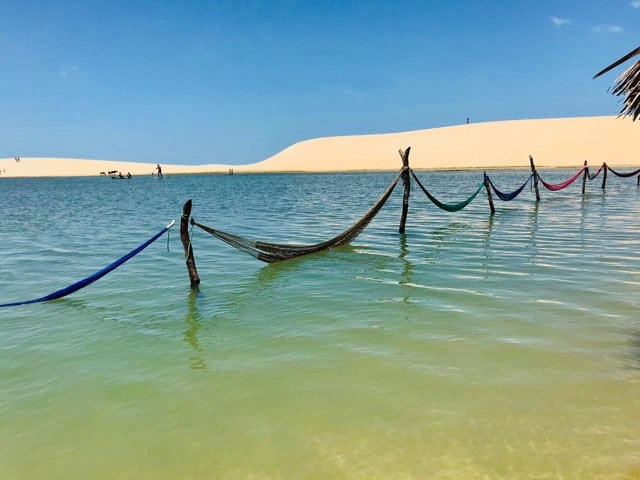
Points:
[(627, 85)]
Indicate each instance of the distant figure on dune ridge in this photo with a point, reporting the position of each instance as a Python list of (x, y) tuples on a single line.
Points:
[(159, 169)]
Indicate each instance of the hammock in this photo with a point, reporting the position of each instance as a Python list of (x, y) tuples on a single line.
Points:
[(448, 207), (624, 175), (96, 276), (275, 252), (560, 186), (594, 175), (506, 197)]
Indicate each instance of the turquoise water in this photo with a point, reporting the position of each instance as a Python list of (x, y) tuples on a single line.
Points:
[(471, 347)]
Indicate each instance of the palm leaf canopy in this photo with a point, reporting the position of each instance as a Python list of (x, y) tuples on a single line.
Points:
[(627, 85)]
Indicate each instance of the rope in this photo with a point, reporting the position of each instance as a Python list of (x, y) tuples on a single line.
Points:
[(506, 197), (96, 276), (448, 207), (559, 186), (274, 252)]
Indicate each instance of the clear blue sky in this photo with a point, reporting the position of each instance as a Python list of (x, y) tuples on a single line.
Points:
[(194, 82)]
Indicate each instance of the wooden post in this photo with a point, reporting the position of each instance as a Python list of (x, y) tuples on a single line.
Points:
[(489, 196), (186, 243), (604, 179), (535, 178), (638, 180), (584, 177), (406, 179)]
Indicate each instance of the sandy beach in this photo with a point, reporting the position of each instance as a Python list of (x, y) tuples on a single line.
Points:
[(561, 142)]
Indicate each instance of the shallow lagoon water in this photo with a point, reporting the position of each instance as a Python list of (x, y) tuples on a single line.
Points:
[(471, 347)]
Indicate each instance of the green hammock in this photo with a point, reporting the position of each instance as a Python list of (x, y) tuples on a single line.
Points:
[(448, 207)]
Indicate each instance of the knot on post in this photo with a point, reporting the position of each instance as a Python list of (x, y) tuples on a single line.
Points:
[(534, 172), (406, 179), (186, 243)]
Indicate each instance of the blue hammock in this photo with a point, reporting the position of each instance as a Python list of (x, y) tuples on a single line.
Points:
[(507, 196), (96, 276)]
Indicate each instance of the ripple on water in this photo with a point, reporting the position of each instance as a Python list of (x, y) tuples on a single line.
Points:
[(473, 346)]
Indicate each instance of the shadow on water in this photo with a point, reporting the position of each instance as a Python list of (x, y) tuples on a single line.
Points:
[(267, 277)]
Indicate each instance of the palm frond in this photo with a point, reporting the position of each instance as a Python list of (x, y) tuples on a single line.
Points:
[(627, 85)]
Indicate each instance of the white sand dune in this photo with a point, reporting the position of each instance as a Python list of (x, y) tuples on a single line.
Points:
[(561, 142)]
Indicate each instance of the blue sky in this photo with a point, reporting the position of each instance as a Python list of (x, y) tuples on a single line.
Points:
[(195, 82)]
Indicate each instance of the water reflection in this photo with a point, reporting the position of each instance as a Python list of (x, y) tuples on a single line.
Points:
[(533, 230), (441, 238), (407, 269), (487, 246), (193, 320), (635, 349)]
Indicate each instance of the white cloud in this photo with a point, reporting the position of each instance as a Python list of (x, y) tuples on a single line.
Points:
[(67, 72), (558, 22), (608, 29), (635, 4)]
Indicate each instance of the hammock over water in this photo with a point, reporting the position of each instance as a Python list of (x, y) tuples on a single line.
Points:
[(275, 252), (560, 186), (507, 197), (448, 207), (96, 276)]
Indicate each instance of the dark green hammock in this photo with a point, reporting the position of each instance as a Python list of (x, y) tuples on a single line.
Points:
[(276, 252), (448, 207)]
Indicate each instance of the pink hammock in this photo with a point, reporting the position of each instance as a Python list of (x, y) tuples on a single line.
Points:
[(560, 186)]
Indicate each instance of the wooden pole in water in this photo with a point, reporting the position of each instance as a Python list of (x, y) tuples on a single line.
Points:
[(489, 196), (584, 177), (604, 179), (406, 179), (186, 243), (535, 178)]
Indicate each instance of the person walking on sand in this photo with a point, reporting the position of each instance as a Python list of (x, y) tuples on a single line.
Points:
[(159, 169)]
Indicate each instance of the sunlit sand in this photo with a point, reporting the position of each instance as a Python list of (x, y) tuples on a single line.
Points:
[(561, 142)]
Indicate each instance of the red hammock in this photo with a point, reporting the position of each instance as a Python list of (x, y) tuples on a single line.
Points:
[(560, 186)]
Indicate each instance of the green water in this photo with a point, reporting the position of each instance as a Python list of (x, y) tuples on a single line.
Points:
[(473, 347)]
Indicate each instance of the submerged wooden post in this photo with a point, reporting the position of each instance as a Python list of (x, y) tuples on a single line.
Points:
[(489, 196), (186, 243), (604, 179), (639, 180), (584, 177), (406, 179), (535, 178)]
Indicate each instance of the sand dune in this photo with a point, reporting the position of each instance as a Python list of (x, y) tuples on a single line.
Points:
[(562, 142)]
